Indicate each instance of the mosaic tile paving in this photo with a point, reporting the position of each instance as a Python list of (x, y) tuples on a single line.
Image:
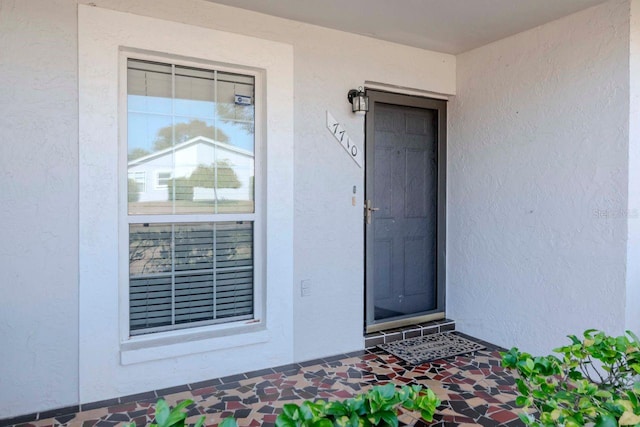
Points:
[(474, 390)]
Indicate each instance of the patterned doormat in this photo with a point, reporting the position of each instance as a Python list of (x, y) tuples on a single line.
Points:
[(419, 350)]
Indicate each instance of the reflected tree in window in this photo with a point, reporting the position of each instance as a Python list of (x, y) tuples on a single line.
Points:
[(185, 132)]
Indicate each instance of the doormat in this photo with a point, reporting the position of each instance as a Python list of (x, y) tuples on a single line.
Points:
[(419, 350)]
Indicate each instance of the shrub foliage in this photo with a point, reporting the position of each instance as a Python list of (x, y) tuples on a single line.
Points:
[(593, 381)]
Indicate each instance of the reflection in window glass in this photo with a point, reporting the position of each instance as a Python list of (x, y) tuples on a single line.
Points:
[(190, 273), (190, 150), (192, 129)]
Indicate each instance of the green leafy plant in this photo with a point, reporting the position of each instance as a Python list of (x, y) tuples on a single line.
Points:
[(594, 381), (376, 407), (172, 417)]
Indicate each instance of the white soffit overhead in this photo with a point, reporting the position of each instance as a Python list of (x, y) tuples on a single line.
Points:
[(449, 26)]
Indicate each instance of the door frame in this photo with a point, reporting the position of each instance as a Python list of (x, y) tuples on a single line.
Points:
[(440, 105)]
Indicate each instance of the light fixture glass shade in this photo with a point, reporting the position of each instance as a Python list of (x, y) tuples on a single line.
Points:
[(359, 101)]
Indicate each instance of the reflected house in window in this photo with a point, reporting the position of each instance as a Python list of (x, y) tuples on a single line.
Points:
[(227, 177)]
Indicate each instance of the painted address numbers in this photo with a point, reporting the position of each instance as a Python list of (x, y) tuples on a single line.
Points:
[(341, 136)]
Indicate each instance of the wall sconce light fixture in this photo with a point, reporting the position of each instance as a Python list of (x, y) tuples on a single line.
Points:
[(359, 101)]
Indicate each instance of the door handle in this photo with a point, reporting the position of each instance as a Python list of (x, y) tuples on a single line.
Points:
[(367, 211)]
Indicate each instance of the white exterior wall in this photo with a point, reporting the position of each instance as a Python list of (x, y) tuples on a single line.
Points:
[(538, 150), (112, 363), (327, 230), (39, 208), (633, 244), (537, 184)]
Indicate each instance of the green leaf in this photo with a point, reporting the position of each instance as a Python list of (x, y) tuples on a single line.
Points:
[(284, 421), (525, 418), (227, 422), (628, 418), (564, 395), (634, 337), (604, 394), (322, 422), (530, 364), (162, 412), (575, 375), (177, 416), (342, 421), (538, 394), (337, 409), (571, 422), (200, 422), (390, 418), (355, 420), (375, 418), (290, 410), (522, 401), (522, 388), (427, 414), (387, 391), (606, 420), (305, 411), (182, 405), (574, 339)]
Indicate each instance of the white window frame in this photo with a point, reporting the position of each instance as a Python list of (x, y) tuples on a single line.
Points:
[(143, 181), (175, 336), (159, 186)]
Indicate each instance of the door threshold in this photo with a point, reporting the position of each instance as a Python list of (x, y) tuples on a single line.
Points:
[(410, 331), (401, 323)]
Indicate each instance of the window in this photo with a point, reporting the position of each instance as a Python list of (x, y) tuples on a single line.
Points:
[(191, 238), (163, 179), (139, 183)]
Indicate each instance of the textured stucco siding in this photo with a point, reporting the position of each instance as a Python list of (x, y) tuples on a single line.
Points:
[(633, 211), (39, 208), (328, 232), (543, 165), (39, 48), (538, 170)]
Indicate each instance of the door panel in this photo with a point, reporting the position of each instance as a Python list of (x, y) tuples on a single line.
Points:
[(405, 182)]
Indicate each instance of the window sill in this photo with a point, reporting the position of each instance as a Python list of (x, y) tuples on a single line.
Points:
[(186, 342)]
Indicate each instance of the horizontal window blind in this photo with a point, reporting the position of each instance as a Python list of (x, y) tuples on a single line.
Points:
[(188, 274)]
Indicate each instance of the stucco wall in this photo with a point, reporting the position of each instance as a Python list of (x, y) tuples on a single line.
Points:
[(327, 228), (633, 210), (39, 208), (538, 150), (41, 322)]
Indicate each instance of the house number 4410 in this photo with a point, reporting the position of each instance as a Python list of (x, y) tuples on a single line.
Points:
[(341, 136)]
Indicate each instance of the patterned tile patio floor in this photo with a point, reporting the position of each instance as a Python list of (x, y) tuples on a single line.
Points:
[(474, 390)]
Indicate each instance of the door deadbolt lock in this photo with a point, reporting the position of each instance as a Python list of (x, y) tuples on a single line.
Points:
[(367, 211)]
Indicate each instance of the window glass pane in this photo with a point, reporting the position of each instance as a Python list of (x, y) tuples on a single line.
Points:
[(193, 157), (189, 273), (236, 110), (149, 87), (137, 183), (195, 93), (149, 134), (193, 130), (149, 249)]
